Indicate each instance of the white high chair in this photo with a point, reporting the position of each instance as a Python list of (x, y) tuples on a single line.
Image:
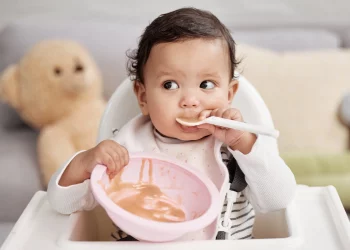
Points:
[(315, 220)]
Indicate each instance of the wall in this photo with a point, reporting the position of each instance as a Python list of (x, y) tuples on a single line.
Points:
[(236, 13)]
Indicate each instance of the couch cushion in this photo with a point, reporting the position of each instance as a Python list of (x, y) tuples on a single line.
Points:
[(346, 39), (9, 117), (19, 178), (288, 39), (303, 91)]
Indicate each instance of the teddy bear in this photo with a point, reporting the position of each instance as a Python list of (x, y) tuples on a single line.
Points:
[(57, 89)]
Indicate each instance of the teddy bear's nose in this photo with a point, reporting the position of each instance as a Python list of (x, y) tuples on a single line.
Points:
[(79, 68)]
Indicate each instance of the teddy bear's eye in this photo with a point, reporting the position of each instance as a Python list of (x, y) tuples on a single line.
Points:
[(58, 71), (79, 68)]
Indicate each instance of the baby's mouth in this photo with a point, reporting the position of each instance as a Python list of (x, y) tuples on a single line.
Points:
[(188, 129)]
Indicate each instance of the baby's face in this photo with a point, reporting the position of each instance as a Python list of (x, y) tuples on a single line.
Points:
[(181, 80)]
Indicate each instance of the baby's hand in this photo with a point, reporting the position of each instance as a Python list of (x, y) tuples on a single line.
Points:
[(107, 153), (235, 139)]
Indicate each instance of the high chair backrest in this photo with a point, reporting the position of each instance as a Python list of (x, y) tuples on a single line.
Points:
[(123, 106)]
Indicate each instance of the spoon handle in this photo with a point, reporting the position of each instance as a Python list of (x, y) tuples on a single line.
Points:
[(253, 128)]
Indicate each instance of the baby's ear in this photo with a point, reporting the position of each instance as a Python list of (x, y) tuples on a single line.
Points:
[(9, 89), (140, 92), (232, 89)]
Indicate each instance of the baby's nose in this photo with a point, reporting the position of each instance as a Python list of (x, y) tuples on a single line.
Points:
[(189, 102)]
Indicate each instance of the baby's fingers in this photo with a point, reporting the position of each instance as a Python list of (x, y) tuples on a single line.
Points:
[(204, 114), (117, 150), (121, 159), (218, 112), (124, 155), (108, 161), (232, 114)]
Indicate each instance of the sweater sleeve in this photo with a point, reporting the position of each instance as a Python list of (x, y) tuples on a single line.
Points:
[(67, 200), (271, 184)]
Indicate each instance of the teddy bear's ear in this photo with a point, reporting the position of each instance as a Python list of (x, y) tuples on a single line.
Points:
[(9, 86)]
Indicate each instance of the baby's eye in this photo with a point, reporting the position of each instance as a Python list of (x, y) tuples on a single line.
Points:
[(207, 85), (170, 85)]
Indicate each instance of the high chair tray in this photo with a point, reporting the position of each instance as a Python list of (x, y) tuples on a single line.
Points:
[(315, 220)]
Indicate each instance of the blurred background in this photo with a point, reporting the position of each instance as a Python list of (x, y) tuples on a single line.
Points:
[(296, 53)]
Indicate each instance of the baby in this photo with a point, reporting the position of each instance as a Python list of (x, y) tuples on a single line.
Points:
[(184, 68)]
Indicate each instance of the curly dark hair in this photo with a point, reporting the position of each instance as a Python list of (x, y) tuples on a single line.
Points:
[(179, 25)]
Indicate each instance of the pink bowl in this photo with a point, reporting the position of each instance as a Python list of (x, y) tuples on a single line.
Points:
[(197, 193)]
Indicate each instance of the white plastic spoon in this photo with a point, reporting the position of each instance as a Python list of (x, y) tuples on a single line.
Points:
[(218, 121)]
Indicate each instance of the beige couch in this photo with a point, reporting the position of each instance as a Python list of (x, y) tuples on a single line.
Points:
[(303, 91)]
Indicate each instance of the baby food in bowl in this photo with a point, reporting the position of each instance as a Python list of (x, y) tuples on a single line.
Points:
[(155, 198)]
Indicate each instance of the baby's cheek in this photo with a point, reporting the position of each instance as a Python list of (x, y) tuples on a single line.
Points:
[(160, 119), (216, 103)]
